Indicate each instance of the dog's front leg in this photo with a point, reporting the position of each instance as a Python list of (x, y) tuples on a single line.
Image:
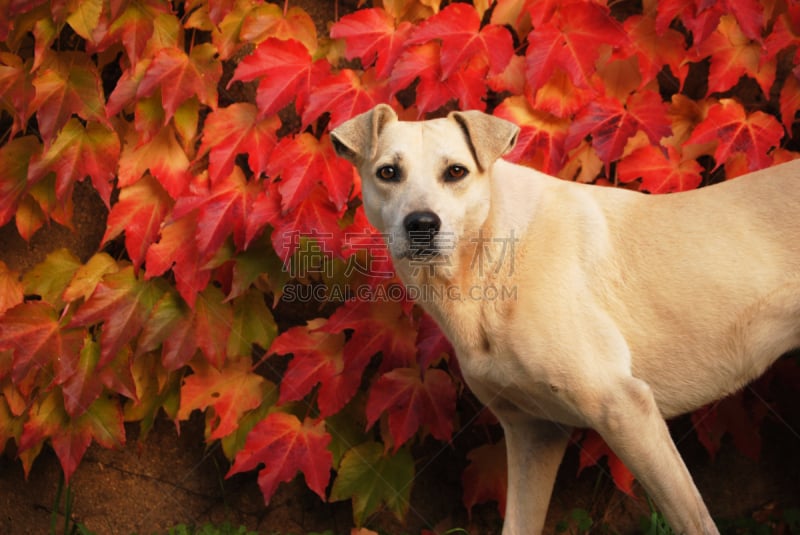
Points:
[(627, 417), (535, 449)]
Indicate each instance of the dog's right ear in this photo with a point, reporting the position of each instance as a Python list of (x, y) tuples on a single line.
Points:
[(357, 139)]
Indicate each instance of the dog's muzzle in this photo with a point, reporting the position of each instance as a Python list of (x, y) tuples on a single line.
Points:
[(421, 228)]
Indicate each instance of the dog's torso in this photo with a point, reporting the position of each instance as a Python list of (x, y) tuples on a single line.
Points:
[(656, 279)]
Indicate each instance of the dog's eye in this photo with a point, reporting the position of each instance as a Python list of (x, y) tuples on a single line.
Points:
[(387, 173), (455, 172)]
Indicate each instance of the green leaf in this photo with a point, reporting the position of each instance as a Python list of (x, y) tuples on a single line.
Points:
[(373, 479), (50, 278), (252, 324)]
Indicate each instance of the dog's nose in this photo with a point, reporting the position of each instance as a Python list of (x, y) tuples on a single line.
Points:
[(422, 228)]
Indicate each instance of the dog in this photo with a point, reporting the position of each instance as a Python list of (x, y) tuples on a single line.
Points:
[(621, 309)]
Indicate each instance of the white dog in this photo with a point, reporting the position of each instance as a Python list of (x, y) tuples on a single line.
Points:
[(577, 305)]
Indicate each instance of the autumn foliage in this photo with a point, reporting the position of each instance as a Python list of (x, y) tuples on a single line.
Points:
[(203, 127)]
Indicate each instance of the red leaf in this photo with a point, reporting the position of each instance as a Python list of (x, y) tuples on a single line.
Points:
[(541, 141), (162, 155), (655, 49), (302, 162), (372, 36), (284, 445), (412, 402), (593, 448), (33, 333), (571, 41), (221, 211), (660, 173), (66, 83), (486, 476), (733, 55), (611, 123), (78, 152), (378, 326), (734, 131), (122, 302), (730, 416), (315, 217), (181, 76), (463, 41), (177, 249), (11, 289), (345, 95), (139, 212), (230, 391), (318, 359), (286, 73), (238, 129), (432, 344)]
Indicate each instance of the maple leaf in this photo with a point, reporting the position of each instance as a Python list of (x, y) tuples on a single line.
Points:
[(49, 278), (177, 250), (169, 325), (372, 36), (67, 83), (789, 101), (272, 21), (139, 212), (432, 344), (317, 359), (88, 276), (78, 152), (122, 302), (135, 25), (315, 217), (16, 90), (611, 123), (571, 41), (181, 76), (36, 337), (222, 210), (231, 392), (162, 155), (378, 326), (238, 129), (467, 84), (733, 55), (213, 319), (14, 158), (71, 437), (486, 476), (660, 173), (735, 131), (11, 293), (413, 400), (458, 28), (345, 95), (286, 73), (303, 162), (371, 478), (730, 416), (542, 136), (285, 445), (593, 448), (252, 324), (654, 49)]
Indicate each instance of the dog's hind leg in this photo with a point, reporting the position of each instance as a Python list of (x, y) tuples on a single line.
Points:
[(627, 417), (535, 449)]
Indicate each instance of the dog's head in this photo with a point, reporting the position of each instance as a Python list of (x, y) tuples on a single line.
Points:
[(425, 184)]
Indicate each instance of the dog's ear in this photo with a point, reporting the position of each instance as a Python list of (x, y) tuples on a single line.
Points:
[(489, 137), (356, 140)]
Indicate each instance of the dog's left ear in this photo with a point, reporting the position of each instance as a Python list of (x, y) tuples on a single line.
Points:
[(356, 139), (489, 137)]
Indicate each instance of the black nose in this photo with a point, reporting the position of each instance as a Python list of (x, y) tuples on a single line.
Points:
[(422, 228)]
